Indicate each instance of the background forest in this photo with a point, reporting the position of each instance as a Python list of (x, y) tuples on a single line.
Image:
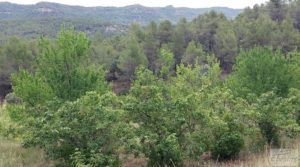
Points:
[(168, 93)]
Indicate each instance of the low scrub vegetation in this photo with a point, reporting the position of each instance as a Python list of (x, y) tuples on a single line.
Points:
[(69, 110), (211, 88)]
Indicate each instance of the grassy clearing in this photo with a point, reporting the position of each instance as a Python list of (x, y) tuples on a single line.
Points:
[(247, 159), (262, 159), (12, 154)]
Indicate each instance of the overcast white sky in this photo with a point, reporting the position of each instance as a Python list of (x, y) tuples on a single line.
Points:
[(152, 3)]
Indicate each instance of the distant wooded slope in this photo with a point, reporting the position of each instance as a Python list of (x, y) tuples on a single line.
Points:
[(45, 18)]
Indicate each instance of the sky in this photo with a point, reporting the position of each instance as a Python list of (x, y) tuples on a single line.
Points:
[(152, 3)]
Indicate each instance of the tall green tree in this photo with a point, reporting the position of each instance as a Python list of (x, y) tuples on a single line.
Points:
[(63, 64), (165, 63), (136, 30), (165, 32), (103, 53), (151, 45), (259, 71), (226, 47), (251, 33), (295, 13), (277, 9), (180, 40), (286, 37), (16, 54), (194, 54), (204, 28), (132, 57)]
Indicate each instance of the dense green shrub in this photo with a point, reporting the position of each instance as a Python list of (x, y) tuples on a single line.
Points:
[(259, 71), (190, 111), (32, 90), (146, 106), (90, 125), (265, 78), (227, 146), (277, 117), (165, 153)]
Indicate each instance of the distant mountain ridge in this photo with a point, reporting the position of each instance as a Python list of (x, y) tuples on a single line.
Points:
[(120, 15), (30, 20)]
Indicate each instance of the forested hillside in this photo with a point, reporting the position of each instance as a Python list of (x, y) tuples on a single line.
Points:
[(45, 18), (164, 93), (121, 15)]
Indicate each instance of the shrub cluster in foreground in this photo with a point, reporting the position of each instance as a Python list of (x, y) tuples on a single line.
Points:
[(67, 108)]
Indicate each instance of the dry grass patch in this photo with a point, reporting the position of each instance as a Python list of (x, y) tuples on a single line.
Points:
[(12, 154)]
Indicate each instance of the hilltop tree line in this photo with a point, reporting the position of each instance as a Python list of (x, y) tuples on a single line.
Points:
[(209, 85)]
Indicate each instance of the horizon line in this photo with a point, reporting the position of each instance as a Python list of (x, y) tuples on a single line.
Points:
[(136, 4)]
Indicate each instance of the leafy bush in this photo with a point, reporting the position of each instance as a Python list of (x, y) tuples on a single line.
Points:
[(173, 124), (90, 125), (228, 146), (33, 90), (264, 78), (165, 153), (146, 106), (277, 116)]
